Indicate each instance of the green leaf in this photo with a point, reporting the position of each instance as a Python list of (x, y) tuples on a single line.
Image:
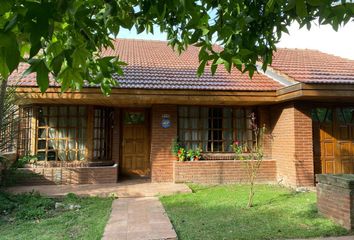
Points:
[(4, 70), (228, 66), (316, 3), (70, 78), (42, 77), (39, 67), (213, 68), (270, 6), (201, 68), (10, 52), (301, 9), (79, 57), (237, 62)]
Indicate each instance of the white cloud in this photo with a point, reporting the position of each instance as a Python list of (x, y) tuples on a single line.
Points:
[(322, 38)]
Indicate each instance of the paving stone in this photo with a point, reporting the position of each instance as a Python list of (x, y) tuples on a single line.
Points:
[(145, 219)]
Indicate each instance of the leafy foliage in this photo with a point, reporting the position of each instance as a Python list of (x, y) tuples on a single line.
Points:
[(65, 38), (29, 206)]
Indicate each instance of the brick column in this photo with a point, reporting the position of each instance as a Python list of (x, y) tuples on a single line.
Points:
[(161, 139), (304, 164), (292, 146)]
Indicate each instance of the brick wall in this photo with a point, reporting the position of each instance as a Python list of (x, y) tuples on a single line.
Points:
[(219, 171), (161, 139), (304, 164), (292, 144), (56, 175), (335, 199)]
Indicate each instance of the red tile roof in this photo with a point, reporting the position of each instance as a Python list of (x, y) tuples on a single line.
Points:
[(154, 65), (311, 66)]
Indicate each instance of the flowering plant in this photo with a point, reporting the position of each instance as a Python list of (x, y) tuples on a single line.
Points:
[(181, 154), (238, 150), (194, 155)]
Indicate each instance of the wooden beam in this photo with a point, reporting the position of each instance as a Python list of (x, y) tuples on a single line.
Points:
[(147, 98)]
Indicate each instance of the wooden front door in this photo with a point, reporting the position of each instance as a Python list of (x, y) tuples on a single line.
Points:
[(135, 159), (334, 140)]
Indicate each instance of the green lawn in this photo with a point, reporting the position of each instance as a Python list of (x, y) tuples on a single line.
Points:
[(220, 212), (30, 216)]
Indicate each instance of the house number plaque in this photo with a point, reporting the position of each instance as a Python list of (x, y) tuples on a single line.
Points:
[(165, 122)]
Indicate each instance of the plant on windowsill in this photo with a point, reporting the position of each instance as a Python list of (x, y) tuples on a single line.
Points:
[(254, 157), (181, 154), (194, 154)]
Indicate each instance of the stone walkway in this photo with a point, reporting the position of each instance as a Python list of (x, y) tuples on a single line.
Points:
[(138, 218), (128, 188)]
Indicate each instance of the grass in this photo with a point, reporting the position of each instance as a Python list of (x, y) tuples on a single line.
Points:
[(31, 216), (219, 212)]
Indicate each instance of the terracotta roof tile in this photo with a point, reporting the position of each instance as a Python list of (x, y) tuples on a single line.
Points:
[(311, 66), (154, 65)]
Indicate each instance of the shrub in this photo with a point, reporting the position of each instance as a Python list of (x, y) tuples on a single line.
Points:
[(27, 206)]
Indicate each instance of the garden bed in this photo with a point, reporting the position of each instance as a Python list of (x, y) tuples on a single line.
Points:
[(221, 171)]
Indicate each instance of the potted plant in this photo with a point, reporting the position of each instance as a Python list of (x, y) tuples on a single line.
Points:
[(197, 154), (190, 155), (181, 154)]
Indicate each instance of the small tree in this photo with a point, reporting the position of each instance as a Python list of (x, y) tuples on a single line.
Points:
[(251, 155)]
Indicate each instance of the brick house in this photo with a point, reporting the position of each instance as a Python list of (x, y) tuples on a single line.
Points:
[(305, 101)]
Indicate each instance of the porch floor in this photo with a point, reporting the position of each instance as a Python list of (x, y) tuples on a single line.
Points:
[(125, 189)]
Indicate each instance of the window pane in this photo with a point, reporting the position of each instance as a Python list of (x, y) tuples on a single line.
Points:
[(61, 155), (72, 133), (42, 144), (82, 111), (81, 155), (41, 156), (62, 133), (72, 155), (183, 112), (213, 129), (63, 111), (62, 144), (81, 132), (103, 129), (52, 133), (53, 111), (41, 133), (63, 122), (52, 144), (61, 129), (53, 121), (194, 112), (52, 156)]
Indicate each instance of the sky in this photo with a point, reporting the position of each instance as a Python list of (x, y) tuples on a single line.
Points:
[(322, 38)]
